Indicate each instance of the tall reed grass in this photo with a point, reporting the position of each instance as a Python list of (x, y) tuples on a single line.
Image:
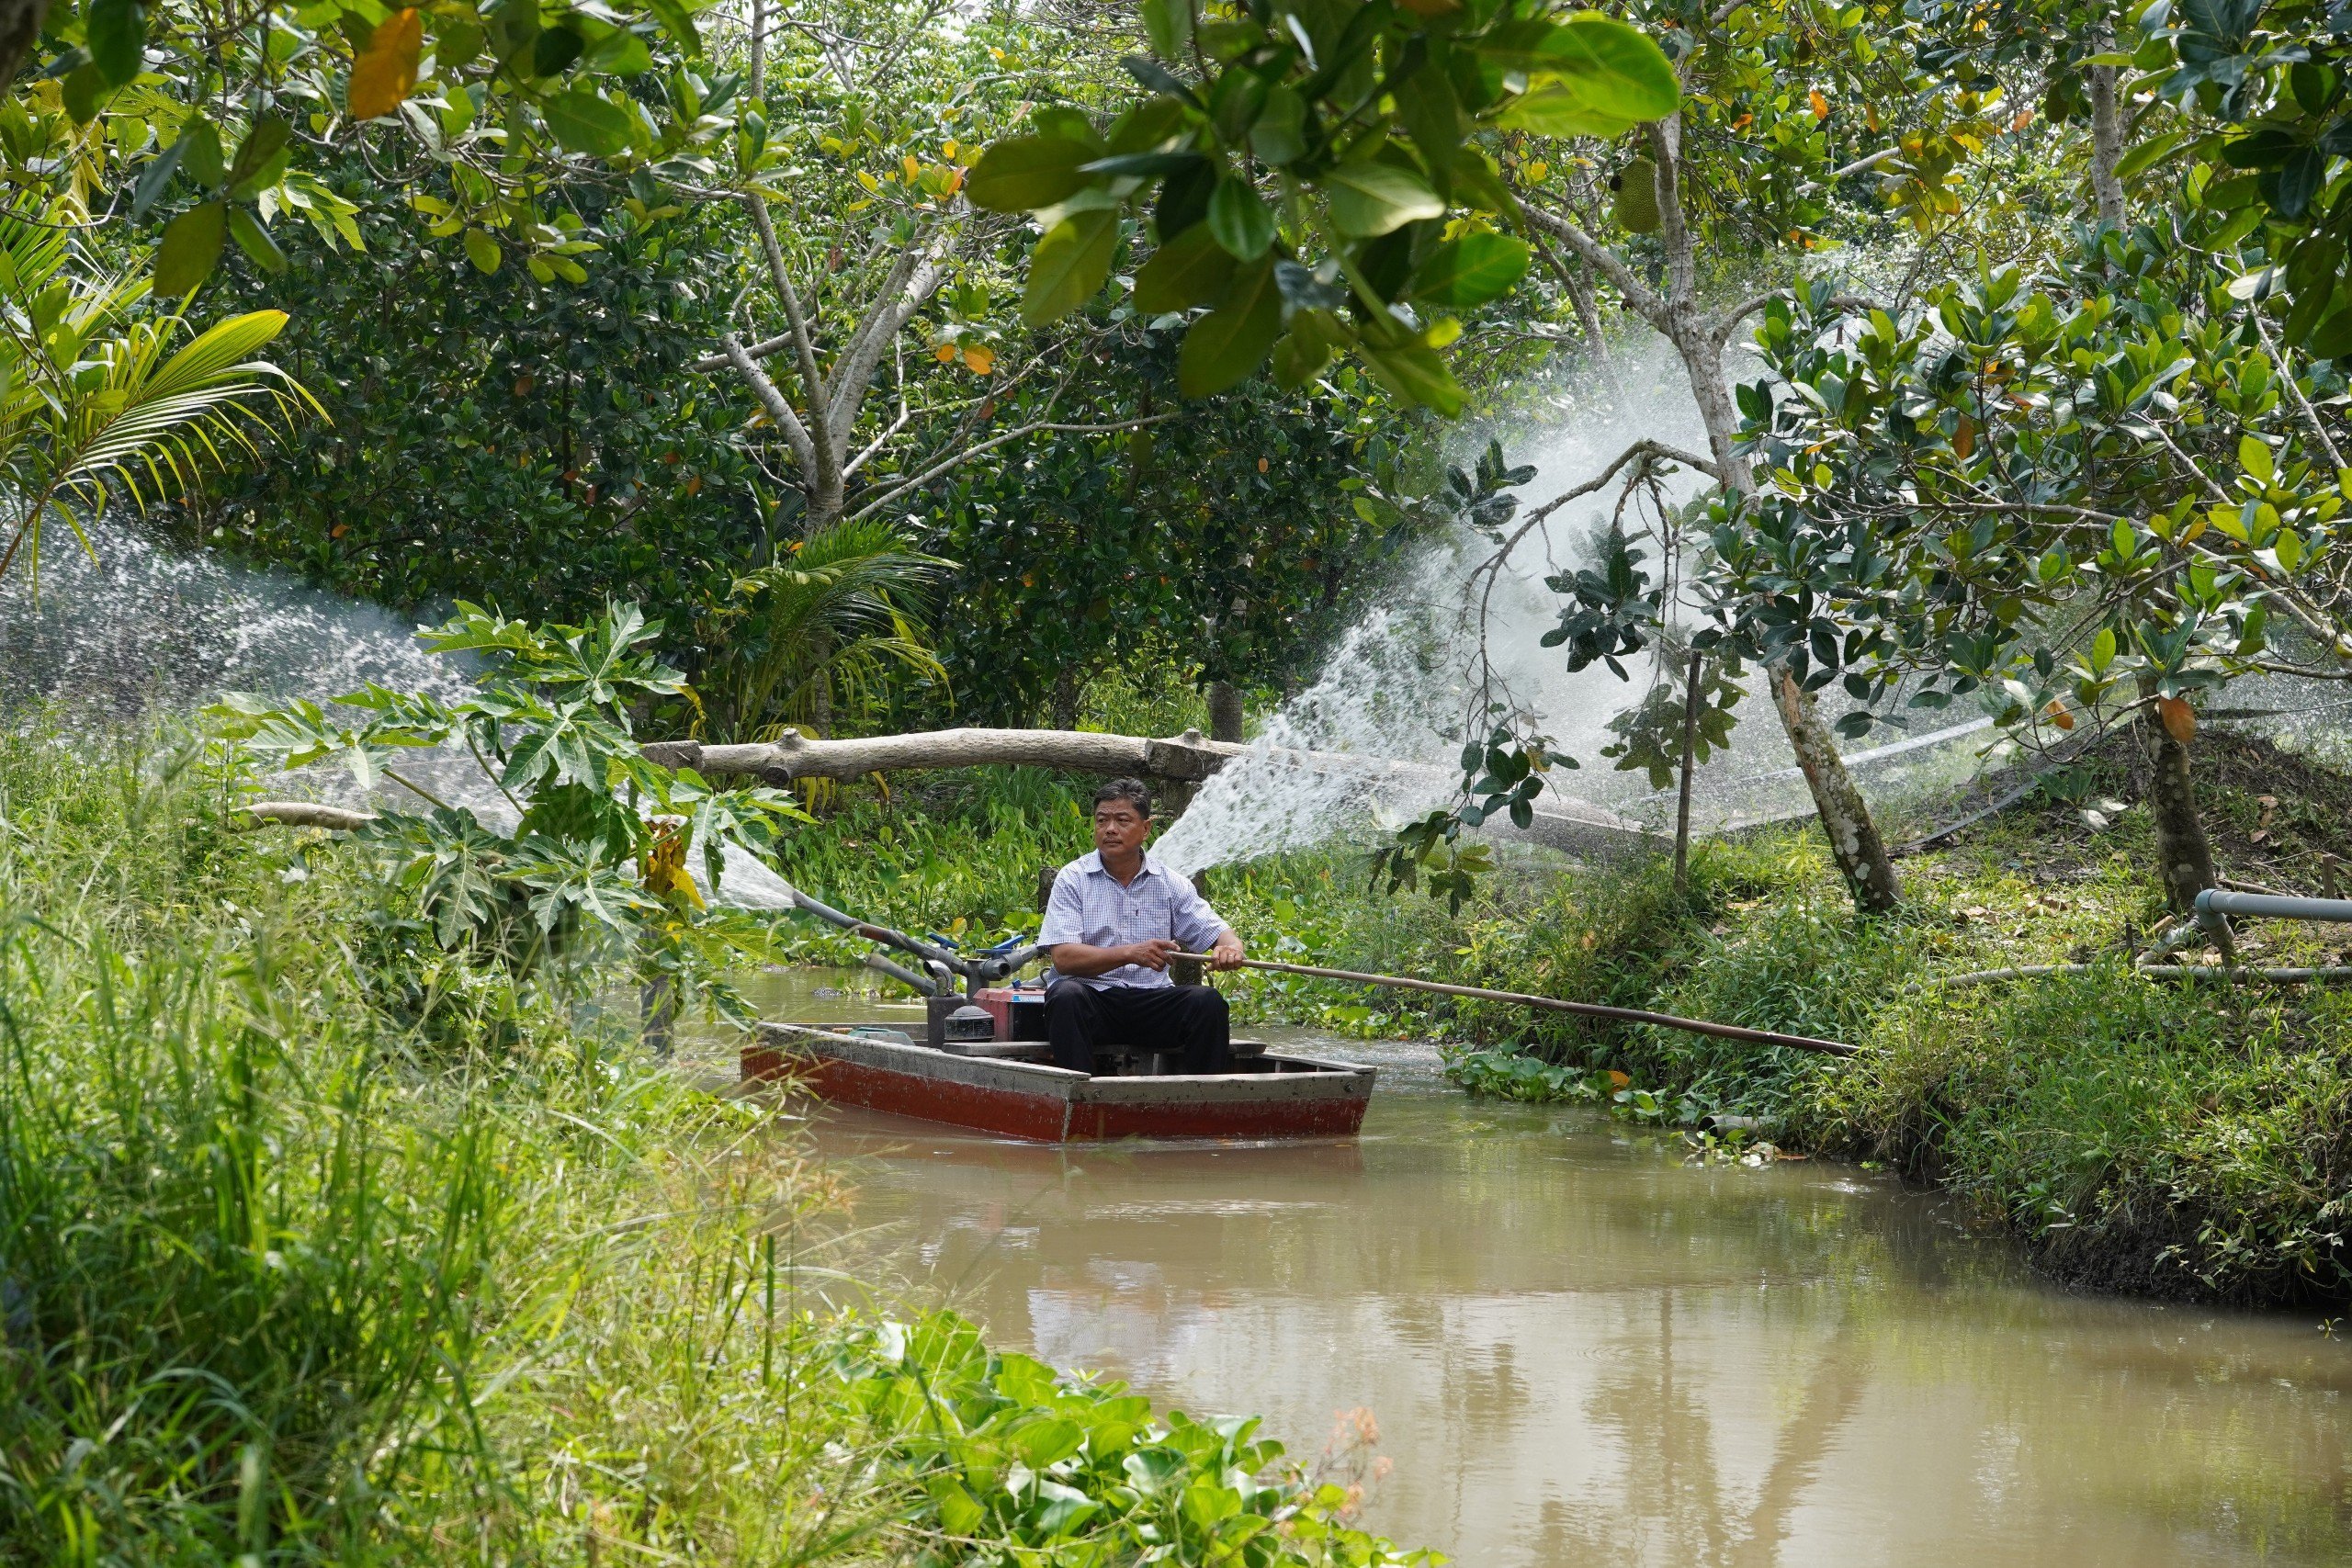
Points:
[(320, 1246)]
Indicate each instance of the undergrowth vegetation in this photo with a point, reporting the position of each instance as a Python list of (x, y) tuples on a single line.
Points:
[(319, 1244)]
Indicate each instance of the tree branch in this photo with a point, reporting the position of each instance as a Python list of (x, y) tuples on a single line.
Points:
[(772, 399), (824, 469), (1601, 259), (948, 465)]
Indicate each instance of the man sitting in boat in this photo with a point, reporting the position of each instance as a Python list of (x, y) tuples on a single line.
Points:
[(1112, 922)]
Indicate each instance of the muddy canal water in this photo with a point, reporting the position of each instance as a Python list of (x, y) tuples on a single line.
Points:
[(1579, 1350)]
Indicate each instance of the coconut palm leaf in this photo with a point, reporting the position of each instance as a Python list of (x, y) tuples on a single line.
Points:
[(94, 401), (816, 632)]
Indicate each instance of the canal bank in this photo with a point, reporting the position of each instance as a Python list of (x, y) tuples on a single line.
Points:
[(1577, 1346)]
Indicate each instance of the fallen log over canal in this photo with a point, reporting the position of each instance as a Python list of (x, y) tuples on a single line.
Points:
[(1561, 822)]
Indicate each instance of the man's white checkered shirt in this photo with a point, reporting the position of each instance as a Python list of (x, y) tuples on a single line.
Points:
[(1088, 906)]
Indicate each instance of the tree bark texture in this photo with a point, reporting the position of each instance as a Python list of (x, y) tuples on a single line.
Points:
[(1225, 711), (2107, 146), (21, 25), (2184, 857), (1861, 856)]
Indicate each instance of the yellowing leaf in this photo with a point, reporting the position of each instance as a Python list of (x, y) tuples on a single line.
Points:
[(2178, 719), (385, 73), (978, 358), (1820, 105), (943, 353), (913, 169)]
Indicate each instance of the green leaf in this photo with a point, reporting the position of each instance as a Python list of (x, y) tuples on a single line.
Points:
[(678, 22), (1224, 346), (191, 250), (2149, 153), (255, 240), (1414, 373), (2331, 339), (1279, 137), (262, 144), (586, 123), (1169, 23), (1026, 173), (204, 162), (83, 91), (1242, 223), (1068, 265), (1558, 109), (1041, 1443), (554, 48), (1615, 66), (1301, 352), (482, 251), (1371, 199), (154, 177), (117, 30), (2254, 456), (1191, 269), (1471, 270)]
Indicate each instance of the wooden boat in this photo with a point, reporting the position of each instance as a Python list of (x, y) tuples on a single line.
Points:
[(1007, 1087)]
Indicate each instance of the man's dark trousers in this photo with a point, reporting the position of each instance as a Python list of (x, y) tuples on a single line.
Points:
[(1190, 1019)]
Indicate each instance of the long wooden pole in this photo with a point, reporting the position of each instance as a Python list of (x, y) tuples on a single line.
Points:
[(1554, 1004), (1689, 762)]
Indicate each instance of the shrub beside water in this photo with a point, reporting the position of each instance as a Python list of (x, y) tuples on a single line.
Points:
[(2188, 1139)]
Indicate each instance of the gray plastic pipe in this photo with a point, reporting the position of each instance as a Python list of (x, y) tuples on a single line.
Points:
[(2215, 901)]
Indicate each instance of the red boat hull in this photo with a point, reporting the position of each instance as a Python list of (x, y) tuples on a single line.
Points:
[(1281, 1097)]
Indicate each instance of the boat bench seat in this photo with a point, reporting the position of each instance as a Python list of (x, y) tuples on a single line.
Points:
[(1016, 1050), (1038, 1051)]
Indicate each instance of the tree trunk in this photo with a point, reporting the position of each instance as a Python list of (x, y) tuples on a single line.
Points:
[(1225, 711), (21, 25), (1845, 817), (2107, 133), (2184, 858)]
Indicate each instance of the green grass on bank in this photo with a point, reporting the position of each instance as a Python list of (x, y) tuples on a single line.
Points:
[(320, 1246), (2180, 1139)]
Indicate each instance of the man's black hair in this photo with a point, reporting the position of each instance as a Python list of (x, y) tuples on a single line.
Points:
[(1132, 790)]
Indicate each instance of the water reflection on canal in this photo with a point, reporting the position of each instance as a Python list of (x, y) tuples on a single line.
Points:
[(1581, 1350)]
